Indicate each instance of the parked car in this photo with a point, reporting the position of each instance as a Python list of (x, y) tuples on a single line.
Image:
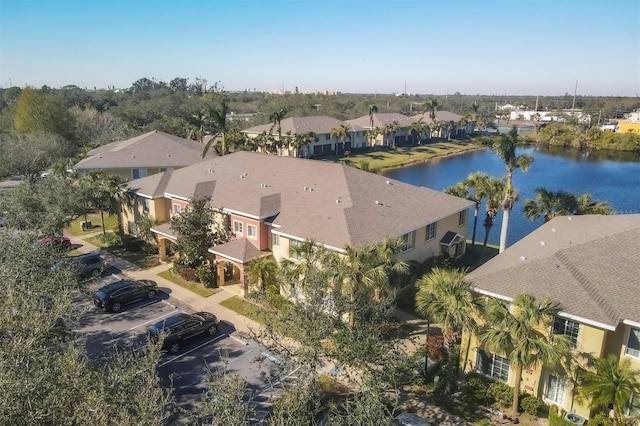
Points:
[(85, 265), (180, 328), (114, 296), (62, 243)]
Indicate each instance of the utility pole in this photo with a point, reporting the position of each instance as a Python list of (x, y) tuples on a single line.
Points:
[(537, 103), (573, 107)]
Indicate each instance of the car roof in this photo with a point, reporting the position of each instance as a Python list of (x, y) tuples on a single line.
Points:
[(175, 319), (116, 285)]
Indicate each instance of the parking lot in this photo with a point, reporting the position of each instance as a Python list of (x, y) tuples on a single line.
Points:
[(187, 371)]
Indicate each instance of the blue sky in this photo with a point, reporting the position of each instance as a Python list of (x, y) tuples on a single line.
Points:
[(366, 46)]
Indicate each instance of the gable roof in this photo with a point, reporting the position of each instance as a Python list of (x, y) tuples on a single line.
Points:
[(588, 263), (153, 149), (444, 116), (331, 203), (380, 120), (319, 124)]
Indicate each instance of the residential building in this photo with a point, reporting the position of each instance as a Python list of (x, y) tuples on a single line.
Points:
[(271, 203), (144, 155), (631, 124), (590, 265), (321, 126)]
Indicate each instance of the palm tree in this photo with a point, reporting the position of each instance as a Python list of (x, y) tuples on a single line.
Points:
[(505, 149), (391, 129), (524, 332), (198, 124), (472, 188), (431, 106), (95, 197), (549, 204), (417, 128), (262, 270), (585, 204), (613, 381), (451, 126), (445, 297), (117, 196), (372, 134), (367, 268), (218, 117), (340, 133), (494, 192), (304, 259), (436, 127), (373, 109), (276, 119)]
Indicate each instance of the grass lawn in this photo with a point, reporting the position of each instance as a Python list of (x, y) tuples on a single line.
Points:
[(241, 306), (140, 259), (387, 159), (74, 228), (197, 288)]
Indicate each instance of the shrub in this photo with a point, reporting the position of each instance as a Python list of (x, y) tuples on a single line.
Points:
[(206, 273), (109, 239), (531, 405), (502, 393), (475, 390), (132, 244), (556, 419), (601, 419), (275, 299)]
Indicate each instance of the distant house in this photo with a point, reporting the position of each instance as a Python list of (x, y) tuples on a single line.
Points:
[(271, 203), (321, 126), (631, 124), (590, 265), (144, 155)]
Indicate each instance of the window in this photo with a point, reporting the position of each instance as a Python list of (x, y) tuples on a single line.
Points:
[(132, 228), (252, 231), (431, 231), (237, 227), (492, 365), (408, 241), (177, 209), (459, 250), (568, 328), (276, 239), (633, 343), (556, 389), (145, 205), (462, 217), (138, 173)]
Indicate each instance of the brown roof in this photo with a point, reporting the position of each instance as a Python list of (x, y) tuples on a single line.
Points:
[(444, 116), (328, 202), (153, 149), (165, 229), (320, 124), (380, 120), (240, 250), (589, 264)]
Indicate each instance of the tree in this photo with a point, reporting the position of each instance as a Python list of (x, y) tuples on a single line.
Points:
[(391, 129), (417, 129), (218, 118), (612, 381), (115, 195), (505, 149), (585, 204), (262, 270), (199, 123), (373, 109), (550, 204), (524, 332), (37, 112), (494, 194), (472, 188), (194, 229), (340, 133), (431, 106), (276, 118), (30, 154), (445, 297), (178, 84)]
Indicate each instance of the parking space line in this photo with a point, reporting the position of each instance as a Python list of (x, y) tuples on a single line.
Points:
[(119, 334), (215, 339), (126, 312)]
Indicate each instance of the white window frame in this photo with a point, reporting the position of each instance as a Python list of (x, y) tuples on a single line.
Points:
[(177, 209), (237, 227), (275, 239), (252, 231), (462, 218), (556, 392), (409, 241), (633, 352), (432, 229), (142, 172), (566, 329), (145, 205), (493, 367)]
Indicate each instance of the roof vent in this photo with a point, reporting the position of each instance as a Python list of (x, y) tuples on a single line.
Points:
[(523, 258), (337, 201), (133, 156), (553, 229), (378, 203), (169, 155), (306, 188), (569, 217), (241, 176), (542, 243), (389, 182)]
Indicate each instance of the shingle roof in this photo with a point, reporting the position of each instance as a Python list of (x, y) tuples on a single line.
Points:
[(331, 203), (589, 264), (381, 120), (319, 124), (444, 116), (153, 149), (240, 250)]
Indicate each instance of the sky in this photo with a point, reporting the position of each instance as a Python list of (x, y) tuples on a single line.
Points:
[(489, 47)]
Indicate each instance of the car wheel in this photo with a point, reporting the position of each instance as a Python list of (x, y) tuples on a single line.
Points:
[(116, 307), (151, 294), (174, 348), (213, 329), (95, 273)]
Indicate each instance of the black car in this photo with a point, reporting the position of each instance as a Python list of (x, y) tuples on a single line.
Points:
[(85, 265), (180, 328), (114, 296)]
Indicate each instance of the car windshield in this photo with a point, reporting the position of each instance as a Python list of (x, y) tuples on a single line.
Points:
[(100, 294), (197, 317)]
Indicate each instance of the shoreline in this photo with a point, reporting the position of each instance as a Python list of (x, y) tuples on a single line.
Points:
[(426, 160)]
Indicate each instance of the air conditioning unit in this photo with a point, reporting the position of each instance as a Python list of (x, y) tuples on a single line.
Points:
[(575, 418)]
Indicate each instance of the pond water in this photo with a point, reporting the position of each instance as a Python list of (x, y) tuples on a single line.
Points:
[(607, 175)]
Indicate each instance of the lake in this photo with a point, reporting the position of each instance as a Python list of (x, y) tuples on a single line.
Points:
[(607, 175)]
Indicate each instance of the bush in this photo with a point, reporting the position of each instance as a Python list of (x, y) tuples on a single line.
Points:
[(207, 274), (556, 419), (132, 244), (531, 405), (502, 393), (275, 299), (601, 419), (109, 239), (475, 390)]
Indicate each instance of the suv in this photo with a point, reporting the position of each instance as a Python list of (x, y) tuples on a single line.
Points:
[(113, 296), (85, 265), (183, 327)]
